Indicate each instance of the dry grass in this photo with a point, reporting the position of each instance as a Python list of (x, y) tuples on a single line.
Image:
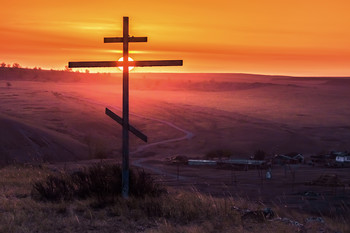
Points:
[(101, 181), (178, 211)]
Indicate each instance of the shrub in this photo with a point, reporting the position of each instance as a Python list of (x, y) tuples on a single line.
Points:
[(100, 181), (218, 154), (54, 188), (97, 148), (259, 155), (142, 184), (103, 181)]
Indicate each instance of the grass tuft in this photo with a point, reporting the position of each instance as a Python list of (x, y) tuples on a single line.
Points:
[(100, 181), (178, 211)]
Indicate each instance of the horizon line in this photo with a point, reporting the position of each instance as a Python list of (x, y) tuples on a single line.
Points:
[(81, 71)]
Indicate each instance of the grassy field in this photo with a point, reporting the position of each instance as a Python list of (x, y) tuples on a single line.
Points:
[(59, 117), (176, 211)]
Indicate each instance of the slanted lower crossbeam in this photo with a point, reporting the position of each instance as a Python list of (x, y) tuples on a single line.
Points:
[(132, 129)]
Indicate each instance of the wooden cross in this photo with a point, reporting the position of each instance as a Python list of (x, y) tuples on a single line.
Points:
[(125, 64)]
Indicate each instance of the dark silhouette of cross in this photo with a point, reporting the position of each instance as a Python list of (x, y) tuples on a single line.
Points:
[(125, 64)]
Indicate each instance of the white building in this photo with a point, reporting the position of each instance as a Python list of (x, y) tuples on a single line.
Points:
[(201, 162), (343, 158)]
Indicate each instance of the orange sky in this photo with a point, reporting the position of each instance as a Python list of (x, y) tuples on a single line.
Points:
[(299, 37)]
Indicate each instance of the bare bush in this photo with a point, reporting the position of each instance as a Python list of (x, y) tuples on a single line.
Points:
[(100, 181)]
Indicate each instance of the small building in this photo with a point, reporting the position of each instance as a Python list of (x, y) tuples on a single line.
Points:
[(342, 158), (243, 162), (179, 159), (299, 157), (285, 159), (201, 162)]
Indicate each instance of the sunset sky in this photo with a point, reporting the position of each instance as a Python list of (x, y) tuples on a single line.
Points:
[(299, 37)]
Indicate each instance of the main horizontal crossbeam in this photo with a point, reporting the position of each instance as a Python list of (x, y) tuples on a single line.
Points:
[(86, 64), (121, 39)]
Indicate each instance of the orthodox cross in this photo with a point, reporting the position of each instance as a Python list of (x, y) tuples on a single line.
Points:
[(125, 64)]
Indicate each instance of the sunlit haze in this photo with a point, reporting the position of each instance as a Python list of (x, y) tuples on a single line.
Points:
[(268, 37), (122, 59)]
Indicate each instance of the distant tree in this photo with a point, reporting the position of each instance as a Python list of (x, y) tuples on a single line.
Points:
[(322, 153), (220, 153), (101, 154), (67, 69), (97, 147), (87, 71), (3, 65), (16, 65), (259, 155), (292, 154)]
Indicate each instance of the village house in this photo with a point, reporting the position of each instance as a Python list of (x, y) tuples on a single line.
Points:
[(343, 158)]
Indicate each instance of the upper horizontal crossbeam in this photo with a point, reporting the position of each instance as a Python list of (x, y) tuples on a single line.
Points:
[(86, 64), (121, 39)]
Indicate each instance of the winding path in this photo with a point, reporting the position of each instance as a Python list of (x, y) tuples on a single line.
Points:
[(187, 134), (138, 163)]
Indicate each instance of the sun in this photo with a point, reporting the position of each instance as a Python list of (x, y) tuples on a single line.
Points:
[(122, 59)]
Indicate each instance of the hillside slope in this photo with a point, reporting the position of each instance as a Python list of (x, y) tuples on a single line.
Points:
[(22, 142)]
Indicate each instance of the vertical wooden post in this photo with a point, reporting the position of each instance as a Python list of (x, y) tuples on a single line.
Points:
[(125, 120), (178, 171), (125, 165)]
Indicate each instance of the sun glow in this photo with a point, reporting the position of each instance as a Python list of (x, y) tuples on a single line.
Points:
[(122, 59)]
